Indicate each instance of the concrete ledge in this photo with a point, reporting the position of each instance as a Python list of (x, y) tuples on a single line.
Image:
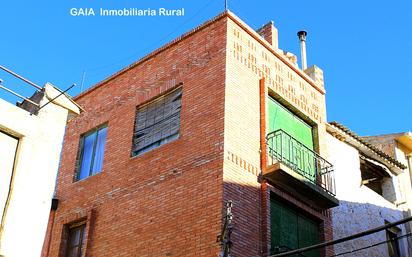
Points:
[(281, 175)]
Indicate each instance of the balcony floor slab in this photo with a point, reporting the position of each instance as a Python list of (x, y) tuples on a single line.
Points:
[(283, 176)]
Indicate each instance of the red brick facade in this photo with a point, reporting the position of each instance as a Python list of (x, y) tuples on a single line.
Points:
[(170, 201)]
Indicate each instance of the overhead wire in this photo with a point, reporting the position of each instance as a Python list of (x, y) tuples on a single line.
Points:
[(373, 245), (344, 239), (200, 10), (98, 71)]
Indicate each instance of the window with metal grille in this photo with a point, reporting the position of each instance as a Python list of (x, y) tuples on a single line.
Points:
[(91, 152), (157, 122), (75, 240)]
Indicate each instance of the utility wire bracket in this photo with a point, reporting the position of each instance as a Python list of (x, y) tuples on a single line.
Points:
[(224, 237)]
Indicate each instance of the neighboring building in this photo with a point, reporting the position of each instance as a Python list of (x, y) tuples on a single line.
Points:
[(165, 143), (30, 144), (373, 189), (399, 146)]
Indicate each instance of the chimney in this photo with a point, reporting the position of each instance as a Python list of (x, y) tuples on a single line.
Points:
[(270, 33), (302, 38), (316, 74)]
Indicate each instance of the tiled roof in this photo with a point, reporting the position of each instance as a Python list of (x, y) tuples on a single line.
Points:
[(373, 148)]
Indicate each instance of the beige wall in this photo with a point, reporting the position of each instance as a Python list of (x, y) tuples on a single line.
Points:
[(241, 147), (8, 147), (248, 61), (40, 141)]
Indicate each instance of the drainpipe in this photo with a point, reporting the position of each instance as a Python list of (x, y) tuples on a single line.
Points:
[(48, 238), (264, 236)]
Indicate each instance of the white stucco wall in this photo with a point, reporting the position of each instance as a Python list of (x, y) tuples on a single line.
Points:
[(38, 154), (360, 208), (8, 147)]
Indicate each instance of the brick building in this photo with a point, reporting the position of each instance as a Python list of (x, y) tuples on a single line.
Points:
[(219, 114)]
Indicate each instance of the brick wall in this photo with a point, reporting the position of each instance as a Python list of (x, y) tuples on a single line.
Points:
[(165, 202), (248, 61), (169, 201)]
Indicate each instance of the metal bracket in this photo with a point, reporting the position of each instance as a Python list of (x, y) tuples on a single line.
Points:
[(224, 237)]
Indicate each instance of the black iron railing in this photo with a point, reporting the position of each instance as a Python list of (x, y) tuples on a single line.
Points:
[(284, 148)]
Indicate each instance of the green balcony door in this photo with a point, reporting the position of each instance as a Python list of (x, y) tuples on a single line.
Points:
[(282, 118), (291, 230), (294, 154)]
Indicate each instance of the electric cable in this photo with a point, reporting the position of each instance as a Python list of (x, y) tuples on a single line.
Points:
[(200, 10), (373, 245)]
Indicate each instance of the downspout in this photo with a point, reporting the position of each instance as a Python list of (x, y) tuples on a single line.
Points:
[(263, 163), (48, 238)]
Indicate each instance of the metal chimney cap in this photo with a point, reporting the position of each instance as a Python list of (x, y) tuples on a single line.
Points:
[(302, 35)]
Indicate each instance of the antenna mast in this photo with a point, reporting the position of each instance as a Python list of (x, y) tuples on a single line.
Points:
[(83, 77)]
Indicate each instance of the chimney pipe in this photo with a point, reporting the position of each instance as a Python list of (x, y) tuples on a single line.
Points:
[(302, 38)]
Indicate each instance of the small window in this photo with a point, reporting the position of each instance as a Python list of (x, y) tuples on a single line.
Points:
[(75, 240), (91, 152), (157, 122), (373, 174)]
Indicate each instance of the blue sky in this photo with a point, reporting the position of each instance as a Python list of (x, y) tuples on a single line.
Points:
[(364, 47)]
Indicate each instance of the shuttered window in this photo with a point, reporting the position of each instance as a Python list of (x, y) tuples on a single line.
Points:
[(282, 118), (299, 157), (157, 122), (291, 230)]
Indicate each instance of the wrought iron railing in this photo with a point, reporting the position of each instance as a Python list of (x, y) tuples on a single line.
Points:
[(284, 148)]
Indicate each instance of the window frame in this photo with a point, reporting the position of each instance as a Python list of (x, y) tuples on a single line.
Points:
[(81, 152), (164, 140), (73, 227)]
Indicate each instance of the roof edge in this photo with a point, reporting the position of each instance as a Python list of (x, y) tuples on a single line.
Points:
[(266, 44), (371, 147), (153, 53), (224, 14)]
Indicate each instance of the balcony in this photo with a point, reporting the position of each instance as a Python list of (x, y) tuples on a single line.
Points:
[(299, 170)]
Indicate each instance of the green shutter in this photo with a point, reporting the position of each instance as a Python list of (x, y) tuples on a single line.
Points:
[(282, 118), (275, 221), (291, 230), (283, 220), (308, 235)]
